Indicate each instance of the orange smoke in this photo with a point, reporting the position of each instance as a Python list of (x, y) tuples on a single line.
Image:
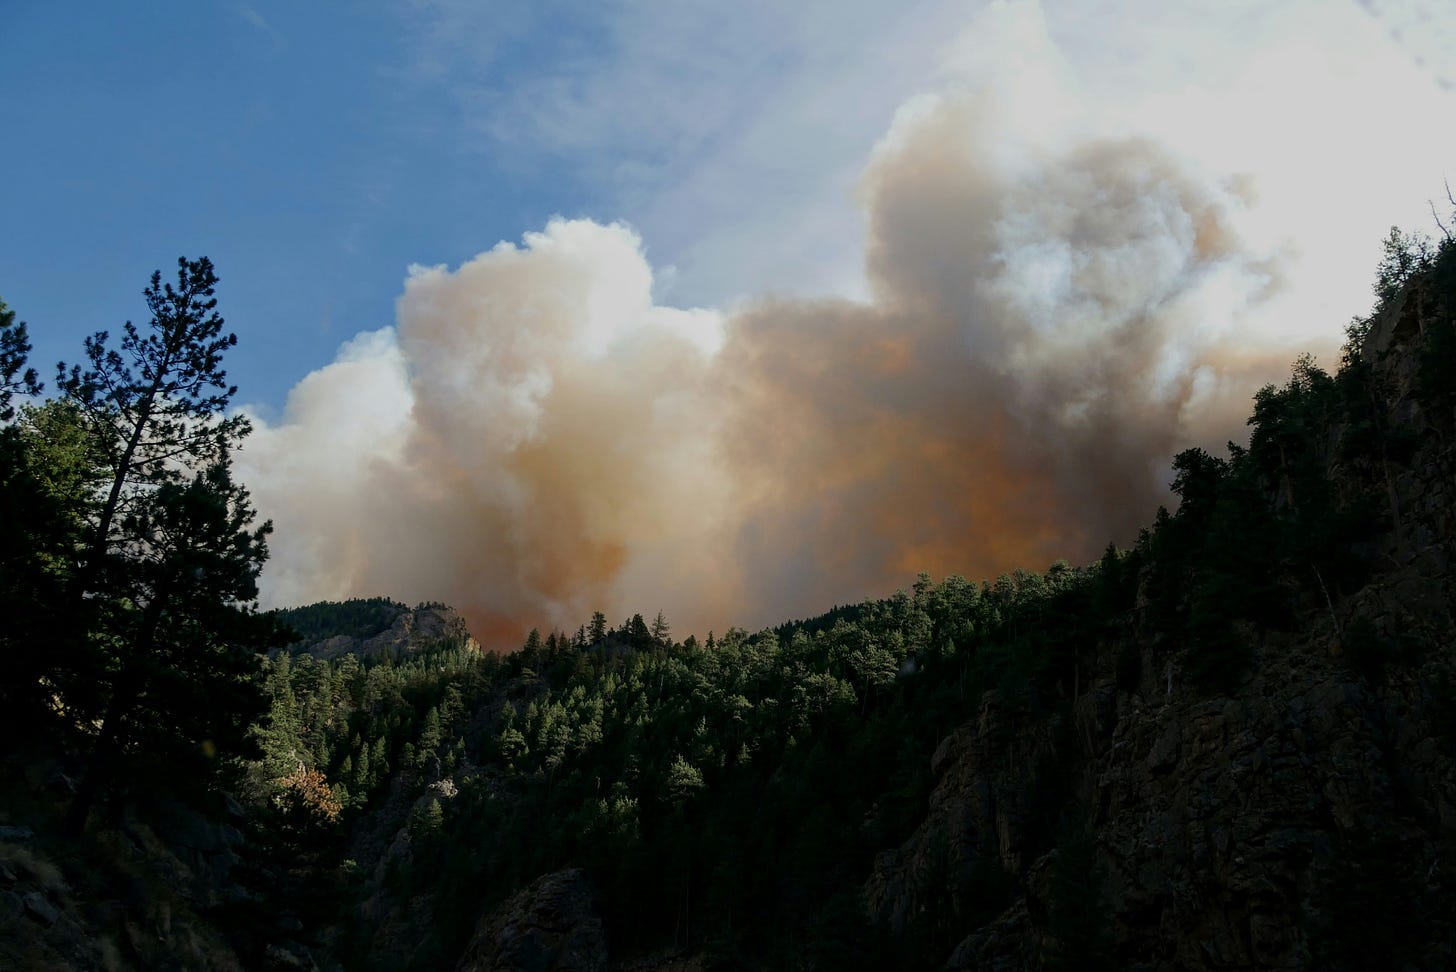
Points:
[(1046, 329)]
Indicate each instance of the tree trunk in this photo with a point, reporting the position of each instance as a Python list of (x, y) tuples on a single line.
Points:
[(103, 755), (109, 744)]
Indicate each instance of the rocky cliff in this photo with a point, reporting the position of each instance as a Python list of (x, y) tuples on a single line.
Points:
[(147, 893), (552, 926), (1306, 819), (397, 629)]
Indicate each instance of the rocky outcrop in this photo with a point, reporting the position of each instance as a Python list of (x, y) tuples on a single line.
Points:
[(981, 812), (551, 926), (1229, 821), (411, 630), (142, 896)]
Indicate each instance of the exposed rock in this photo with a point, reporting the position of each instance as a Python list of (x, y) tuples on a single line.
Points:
[(289, 955), (61, 783), (39, 908), (551, 926), (671, 960), (411, 630), (985, 950), (976, 820)]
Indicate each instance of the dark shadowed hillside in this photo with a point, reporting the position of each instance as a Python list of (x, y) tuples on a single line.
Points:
[(369, 627)]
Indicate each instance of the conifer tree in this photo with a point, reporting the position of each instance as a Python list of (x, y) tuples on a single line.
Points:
[(661, 630), (157, 405), (169, 570), (15, 376), (46, 477)]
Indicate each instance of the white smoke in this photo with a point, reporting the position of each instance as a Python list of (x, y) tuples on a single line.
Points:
[(504, 447)]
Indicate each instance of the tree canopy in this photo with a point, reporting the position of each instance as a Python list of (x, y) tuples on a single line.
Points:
[(135, 549)]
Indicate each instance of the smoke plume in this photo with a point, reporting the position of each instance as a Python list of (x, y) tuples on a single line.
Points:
[(536, 438)]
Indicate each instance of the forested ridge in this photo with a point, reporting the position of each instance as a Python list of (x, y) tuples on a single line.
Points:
[(1227, 745)]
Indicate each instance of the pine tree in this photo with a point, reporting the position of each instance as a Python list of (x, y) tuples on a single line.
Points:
[(429, 743), (46, 475), (157, 405), (531, 650), (15, 376), (49, 474), (661, 630), (169, 570), (363, 774), (180, 665), (637, 633)]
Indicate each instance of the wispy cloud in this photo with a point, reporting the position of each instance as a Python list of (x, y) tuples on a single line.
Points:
[(730, 134), (456, 40), (250, 15)]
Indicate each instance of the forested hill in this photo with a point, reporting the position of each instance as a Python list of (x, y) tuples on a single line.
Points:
[(1230, 746), (370, 627)]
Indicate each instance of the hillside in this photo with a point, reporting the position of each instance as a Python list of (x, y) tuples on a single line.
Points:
[(1231, 746), (369, 627)]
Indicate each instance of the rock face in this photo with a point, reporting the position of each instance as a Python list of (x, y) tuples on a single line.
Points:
[(411, 629), (1307, 821), (977, 821), (1234, 821), (143, 896), (551, 926)]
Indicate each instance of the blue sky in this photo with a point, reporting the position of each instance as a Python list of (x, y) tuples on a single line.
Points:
[(315, 151), (301, 146)]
